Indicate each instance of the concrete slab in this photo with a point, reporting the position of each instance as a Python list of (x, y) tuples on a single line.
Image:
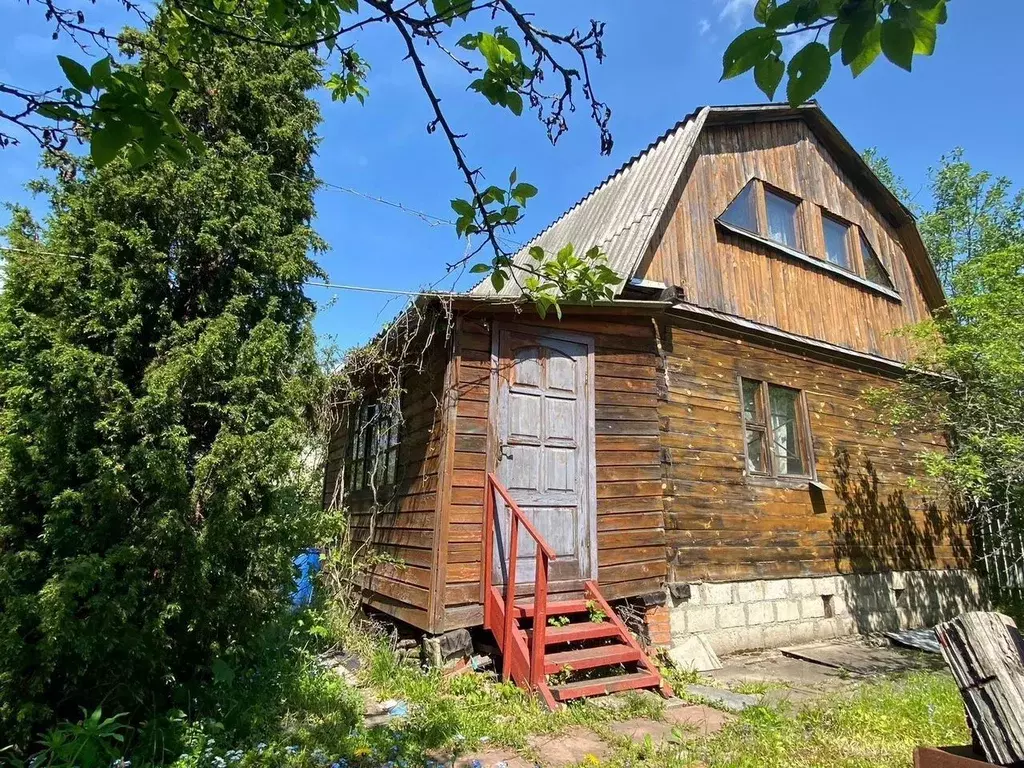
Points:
[(775, 669), (694, 654), (567, 749), (698, 719), (727, 700), (858, 658)]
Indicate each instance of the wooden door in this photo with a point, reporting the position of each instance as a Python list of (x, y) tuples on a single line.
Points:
[(544, 451)]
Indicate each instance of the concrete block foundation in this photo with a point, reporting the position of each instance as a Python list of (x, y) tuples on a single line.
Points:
[(771, 613)]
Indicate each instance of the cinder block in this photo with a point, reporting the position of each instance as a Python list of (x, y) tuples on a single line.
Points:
[(731, 616), (733, 640), (826, 586), (716, 594), (776, 589), (702, 619), (677, 621), (787, 610), (778, 635), (839, 606), (760, 613), (803, 632), (828, 629), (749, 591), (801, 587), (898, 580), (812, 608)]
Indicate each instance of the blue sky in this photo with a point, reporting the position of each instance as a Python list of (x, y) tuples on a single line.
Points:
[(663, 60)]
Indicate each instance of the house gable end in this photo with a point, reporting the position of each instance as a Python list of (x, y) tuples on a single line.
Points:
[(804, 271)]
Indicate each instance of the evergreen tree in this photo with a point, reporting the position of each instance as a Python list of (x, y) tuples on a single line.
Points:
[(157, 373)]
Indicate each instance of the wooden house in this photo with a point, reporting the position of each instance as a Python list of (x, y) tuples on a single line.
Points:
[(701, 444)]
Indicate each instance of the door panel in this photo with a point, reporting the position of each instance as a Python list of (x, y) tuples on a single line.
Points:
[(544, 434)]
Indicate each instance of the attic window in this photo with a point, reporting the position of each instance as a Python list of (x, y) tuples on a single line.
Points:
[(836, 241), (874, 270), (781, 212), (742, 211), (787, 224)]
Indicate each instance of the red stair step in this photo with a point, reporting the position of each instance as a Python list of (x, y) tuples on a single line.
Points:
[(554, 609), (605, 685), (588, 658), (572, 633)]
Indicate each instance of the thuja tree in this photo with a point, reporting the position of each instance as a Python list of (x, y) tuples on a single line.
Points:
[(157, 373)]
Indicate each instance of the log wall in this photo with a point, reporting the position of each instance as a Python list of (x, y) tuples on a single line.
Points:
[(881, 513)]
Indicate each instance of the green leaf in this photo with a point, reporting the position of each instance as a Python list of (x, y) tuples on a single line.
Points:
[(463, 207), (898, 44), (523, 192), (175, 78), (477, 269), (761, 10), (100, 72), (107, 140), (746, 51), (768, 74), (925, 35), (514, 102), (513, 176), (808, 72), (862, 44), (498, 279), (836, 35), (76, 74), (537, 253)]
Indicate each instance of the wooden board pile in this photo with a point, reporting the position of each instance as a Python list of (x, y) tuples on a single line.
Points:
[(985, 652)]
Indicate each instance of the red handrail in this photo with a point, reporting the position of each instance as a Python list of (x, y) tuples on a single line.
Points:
[(545, 554)]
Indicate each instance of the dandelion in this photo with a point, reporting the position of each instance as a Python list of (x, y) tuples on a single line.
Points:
[(361, 751)]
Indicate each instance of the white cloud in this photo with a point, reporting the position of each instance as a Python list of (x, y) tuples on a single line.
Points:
[(736, 12), (703, 26)]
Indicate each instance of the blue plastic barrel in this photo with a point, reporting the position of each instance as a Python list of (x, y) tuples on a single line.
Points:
[(306, 563)]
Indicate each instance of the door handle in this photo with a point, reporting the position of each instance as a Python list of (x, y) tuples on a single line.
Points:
[(504, 452)]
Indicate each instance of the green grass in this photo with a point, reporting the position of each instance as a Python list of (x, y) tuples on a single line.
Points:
[(877, 726)]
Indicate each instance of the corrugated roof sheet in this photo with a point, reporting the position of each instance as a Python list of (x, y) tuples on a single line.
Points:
[(621, 214)]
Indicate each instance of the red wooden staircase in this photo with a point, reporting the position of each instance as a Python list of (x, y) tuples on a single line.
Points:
[(589, 642)]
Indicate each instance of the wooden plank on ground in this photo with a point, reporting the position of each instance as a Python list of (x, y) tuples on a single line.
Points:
[(985, 652)]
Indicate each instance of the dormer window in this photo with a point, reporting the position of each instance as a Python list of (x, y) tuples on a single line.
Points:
[(789, 225), (836, 241), (781, 212)]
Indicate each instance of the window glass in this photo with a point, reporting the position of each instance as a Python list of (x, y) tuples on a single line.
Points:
[(835, 242), (752, 410), (755, 450), (874, 270), (781, 218), (786, 435), (373, 443), (742, 212)]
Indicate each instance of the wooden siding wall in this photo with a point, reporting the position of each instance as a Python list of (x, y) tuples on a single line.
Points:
[(630, 512), (733, 274), (723, 525), (406, 518)]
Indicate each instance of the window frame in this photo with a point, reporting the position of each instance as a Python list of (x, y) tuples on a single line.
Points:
[(809, 227), (363, 447), (805, 438)]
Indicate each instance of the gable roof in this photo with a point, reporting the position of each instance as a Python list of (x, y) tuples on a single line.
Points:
[(623, 213)]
